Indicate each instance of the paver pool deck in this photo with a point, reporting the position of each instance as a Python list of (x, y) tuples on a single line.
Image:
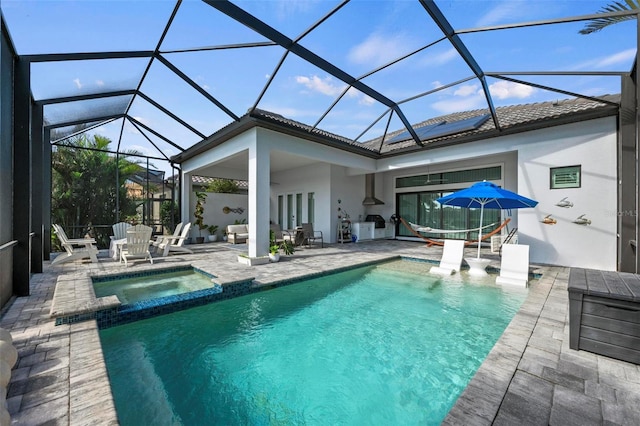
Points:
[(530, 377)]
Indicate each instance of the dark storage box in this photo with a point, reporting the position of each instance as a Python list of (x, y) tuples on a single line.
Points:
[(604, 313)]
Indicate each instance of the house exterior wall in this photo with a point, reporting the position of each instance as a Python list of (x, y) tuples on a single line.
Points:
[(528, 158), (592, 145)]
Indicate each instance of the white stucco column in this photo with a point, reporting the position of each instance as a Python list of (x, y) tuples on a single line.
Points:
[(259, 171), (186, 189)]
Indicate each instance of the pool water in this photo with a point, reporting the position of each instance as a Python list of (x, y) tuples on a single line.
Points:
[(136, 289), (386, 344)]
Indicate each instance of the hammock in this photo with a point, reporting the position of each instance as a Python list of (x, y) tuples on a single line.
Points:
[(431, 242), (421, 228)]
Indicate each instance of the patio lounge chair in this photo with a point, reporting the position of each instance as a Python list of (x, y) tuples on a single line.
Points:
[(451, 258), (176, 244), (80, 248), (167, 238), (138, 240), (120, 230), (514, 266), (119, 234), (310, 235)]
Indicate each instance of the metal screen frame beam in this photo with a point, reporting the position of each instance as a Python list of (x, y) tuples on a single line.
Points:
[(250, 21)]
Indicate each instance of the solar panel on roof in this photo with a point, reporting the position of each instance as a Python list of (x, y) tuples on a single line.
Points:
[(419, 131), (454, 127)]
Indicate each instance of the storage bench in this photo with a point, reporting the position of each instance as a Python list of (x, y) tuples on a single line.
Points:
[(604, 313)]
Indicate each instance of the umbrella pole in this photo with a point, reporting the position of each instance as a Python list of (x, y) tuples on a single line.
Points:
[(480, 229)]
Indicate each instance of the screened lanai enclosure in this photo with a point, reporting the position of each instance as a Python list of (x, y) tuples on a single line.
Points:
[(99, 99)]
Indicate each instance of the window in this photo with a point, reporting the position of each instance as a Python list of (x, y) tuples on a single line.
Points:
[(565, 177), (461, 176), (311, 207)]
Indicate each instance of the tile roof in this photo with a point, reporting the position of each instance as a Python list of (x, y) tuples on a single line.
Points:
[(512, 119)]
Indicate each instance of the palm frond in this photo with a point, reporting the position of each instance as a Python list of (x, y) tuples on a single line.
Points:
[(598, 24)]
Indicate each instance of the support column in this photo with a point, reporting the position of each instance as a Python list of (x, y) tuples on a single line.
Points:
[(47, 191), (37, 188), (627, 178), (259, 195), (21, 179), (185, 205)]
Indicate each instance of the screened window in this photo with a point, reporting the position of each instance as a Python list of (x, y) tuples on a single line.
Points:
[(565, 177)]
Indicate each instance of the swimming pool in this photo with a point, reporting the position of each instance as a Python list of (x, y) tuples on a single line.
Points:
[(374, 345)]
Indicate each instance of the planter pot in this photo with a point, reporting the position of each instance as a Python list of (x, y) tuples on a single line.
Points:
[(274, 257), (212, 238), (199, 240)]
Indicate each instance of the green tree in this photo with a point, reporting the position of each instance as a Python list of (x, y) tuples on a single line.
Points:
[(169, 214), (597, 24), (223, 186), (83, 185)]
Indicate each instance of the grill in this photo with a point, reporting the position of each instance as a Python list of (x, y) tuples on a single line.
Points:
[(379, 220)]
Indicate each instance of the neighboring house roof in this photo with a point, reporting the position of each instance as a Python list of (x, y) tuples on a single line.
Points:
[(512, 119), (140, 177)]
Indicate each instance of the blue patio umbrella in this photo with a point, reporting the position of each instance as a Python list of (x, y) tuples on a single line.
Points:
[(486, 195)]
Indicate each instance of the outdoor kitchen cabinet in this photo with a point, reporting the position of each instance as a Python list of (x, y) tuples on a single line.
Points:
[(363, 230)]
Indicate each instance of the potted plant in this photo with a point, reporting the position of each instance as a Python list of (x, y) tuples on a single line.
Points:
[(212, 232), (201, 199), (287, 247), (274, 253), (274, 247)]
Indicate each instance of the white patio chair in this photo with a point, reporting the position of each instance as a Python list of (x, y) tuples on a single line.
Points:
[(119, 234), (138, 240), (167, 238), (78, 248), (514, 265), (451, 258), (176, 244)]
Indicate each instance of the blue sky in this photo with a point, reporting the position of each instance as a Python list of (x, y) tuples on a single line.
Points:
[(360, 37)]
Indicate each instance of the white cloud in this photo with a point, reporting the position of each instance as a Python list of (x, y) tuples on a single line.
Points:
[(441, 58), (366, 100), (625, 57), (379, 49), (508, 89), (326, 86), (77, 82), (466, 90), (457, 104), (506, 11), (99, 83)]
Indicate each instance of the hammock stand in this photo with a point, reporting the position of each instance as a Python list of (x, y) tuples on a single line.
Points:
[(431, 242)]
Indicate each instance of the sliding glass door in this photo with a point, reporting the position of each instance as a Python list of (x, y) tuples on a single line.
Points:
[(421, 208)]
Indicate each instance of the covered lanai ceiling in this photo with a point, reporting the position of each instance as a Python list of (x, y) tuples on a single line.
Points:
[(160, 76)]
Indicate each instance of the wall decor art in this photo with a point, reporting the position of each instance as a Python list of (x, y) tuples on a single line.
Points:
[(582, 220), (548, 220), (564, 203)]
